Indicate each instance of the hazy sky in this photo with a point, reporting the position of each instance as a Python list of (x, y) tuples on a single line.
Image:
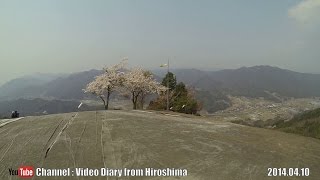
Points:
[(74, 35)]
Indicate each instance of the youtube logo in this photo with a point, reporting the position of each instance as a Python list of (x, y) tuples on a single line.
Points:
[(26, 171), (22, 172)]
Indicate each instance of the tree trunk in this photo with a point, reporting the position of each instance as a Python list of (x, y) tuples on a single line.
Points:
[(133, 101), (104, 103), (142, 100), (135, 96), (108, 99)]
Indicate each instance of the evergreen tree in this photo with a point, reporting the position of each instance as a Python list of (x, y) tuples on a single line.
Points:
[(172, 81), (181, 99)]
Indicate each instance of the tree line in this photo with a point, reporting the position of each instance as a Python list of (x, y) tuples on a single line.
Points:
[(138, 83)]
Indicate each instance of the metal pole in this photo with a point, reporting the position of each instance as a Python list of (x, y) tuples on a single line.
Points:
[(168, 87)]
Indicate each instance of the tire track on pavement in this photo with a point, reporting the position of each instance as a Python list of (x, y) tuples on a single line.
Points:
[(84, 128), (107, 145), (4, 154), (96, 128), (8, 121), (53, 133), (71, 151), (58, 136)]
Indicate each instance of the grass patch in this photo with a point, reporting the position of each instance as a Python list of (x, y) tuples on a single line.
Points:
[(306, 124), (305, 127)]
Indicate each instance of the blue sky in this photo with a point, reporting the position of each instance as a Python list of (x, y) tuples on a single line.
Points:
[(75, 35)]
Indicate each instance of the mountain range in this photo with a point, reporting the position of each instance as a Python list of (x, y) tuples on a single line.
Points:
[(211, 86), (256, 81), (58, 87)]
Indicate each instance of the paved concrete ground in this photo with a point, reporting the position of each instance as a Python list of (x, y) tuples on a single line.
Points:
[(137, 139)]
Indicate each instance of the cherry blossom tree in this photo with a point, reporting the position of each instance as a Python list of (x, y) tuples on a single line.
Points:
[(139, 83), (106, 83)]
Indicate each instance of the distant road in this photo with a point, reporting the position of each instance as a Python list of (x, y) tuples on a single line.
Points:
[(137, 140)]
